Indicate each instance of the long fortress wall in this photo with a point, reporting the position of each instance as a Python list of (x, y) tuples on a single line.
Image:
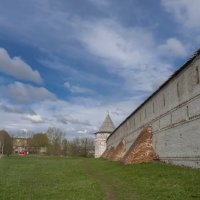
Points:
[(173, 111)]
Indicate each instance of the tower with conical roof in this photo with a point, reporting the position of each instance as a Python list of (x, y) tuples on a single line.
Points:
[(101, 136)]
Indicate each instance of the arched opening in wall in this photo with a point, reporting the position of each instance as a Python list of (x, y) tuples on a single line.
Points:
[(142, 148)]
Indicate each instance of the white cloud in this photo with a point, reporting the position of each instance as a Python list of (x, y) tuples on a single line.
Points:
[(126, 52), (25, 93), (17, 110), (109, 41), (84, 114), (173, 47), (185, 12), (24, 130), (76, 118), (17, 68), (67, 85), (85, 131), (34, 118), (70, 120), (77, 89)]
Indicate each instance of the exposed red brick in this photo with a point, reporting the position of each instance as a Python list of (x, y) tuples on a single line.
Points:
[(141, 150), (118, 151), (105, 154), (108, 153)]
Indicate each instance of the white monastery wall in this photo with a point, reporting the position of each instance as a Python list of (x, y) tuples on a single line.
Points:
[(174, 113)]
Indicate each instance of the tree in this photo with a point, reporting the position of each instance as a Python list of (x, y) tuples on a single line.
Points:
[(55, 137), (81, 147), (6, 146), (87, 147), (37, 142), (74, 147), (65, 147)]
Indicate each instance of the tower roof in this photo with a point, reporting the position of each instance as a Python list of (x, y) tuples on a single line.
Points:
[(107, 125)]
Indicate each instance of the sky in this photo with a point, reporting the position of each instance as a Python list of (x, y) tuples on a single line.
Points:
[(66, 64)]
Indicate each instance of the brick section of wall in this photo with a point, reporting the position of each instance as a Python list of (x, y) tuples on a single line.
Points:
[(108, 153), (116, 153), (141, 150)]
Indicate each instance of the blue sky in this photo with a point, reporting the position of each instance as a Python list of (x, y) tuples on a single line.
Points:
[(66, 63)]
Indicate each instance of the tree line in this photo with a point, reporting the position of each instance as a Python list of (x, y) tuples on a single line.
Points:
[(52, 142)]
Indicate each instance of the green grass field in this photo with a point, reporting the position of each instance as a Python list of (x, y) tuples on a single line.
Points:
[(94, 179)]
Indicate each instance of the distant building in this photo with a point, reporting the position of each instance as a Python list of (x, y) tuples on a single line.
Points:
[(101, 136), (20, 144), (23, 145)]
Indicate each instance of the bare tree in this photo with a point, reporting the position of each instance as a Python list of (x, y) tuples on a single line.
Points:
[(65, 147), (55, 136), (81, 147), (6, 146), (87, 147), (37, 142)]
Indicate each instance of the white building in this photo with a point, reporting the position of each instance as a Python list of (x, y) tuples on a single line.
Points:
[(101, 136)]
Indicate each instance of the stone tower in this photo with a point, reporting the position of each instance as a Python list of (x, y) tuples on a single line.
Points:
[(101, 136)]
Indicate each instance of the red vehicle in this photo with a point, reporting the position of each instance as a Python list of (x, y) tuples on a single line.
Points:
[(22, 153)]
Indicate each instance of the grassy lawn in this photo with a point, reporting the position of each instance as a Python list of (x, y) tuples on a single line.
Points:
[(94, 179)]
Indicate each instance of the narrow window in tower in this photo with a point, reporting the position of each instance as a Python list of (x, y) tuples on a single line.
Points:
[(178, 92), (164, 99), (197, 75), (145, 113), (153, 108)]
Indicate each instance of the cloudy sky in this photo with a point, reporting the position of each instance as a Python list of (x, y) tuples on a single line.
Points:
[(65, 63)]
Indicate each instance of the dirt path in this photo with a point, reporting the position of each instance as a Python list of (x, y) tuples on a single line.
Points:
[(105, 185), (112, 186)]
